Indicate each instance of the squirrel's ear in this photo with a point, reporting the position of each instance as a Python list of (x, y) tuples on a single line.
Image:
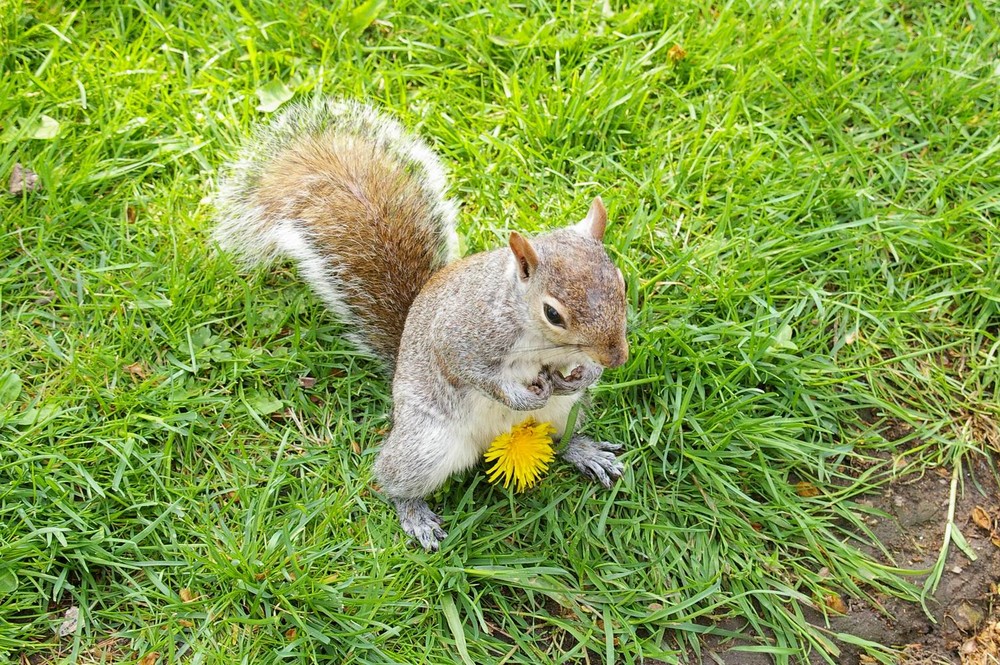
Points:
[(525, 255), (595, 222)]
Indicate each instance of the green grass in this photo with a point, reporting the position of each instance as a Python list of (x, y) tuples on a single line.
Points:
[(805, 207)]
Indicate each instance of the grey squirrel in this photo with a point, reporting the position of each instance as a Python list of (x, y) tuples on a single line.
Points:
[(475, 345)]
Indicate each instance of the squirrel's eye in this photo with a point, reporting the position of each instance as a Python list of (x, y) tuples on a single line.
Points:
[(553, 316)]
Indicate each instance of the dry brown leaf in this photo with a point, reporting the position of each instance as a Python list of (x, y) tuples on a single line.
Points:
[(187, 596), (185, 623), (290, 634), (806, 490), (677, 53), (150, 658), (355, 447), (982, 518), (130, 214), (984, 648), (137, 371), (23, 180), (835, 603)]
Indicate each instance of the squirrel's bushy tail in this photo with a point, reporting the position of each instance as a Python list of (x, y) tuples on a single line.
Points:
[(355, 200)]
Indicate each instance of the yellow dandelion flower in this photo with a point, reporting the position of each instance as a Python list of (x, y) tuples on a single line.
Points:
[(522, 454)]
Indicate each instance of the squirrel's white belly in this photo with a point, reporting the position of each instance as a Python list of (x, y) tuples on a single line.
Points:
[(459, 445), (483, 418), (488, 418)]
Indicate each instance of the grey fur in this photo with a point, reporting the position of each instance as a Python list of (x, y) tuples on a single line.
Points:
[(476, 355)]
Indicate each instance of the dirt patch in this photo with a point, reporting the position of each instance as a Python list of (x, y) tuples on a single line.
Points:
[(964, 610)]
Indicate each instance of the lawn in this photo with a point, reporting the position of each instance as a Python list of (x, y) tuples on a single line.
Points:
[(803, 199)]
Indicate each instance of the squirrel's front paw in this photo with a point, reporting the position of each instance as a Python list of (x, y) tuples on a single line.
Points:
[(541, 387), (577, 380), (595, 459), (534, 395), (419, 521)]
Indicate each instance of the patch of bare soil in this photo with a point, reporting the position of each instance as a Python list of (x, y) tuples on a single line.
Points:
[(964, 623)]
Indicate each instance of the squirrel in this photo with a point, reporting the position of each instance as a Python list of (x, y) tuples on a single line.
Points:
[(474, 345)]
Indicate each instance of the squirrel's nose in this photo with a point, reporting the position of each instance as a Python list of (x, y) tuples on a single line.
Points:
[(615, 356)]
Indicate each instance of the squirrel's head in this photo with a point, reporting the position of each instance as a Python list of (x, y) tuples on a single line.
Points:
[(572, 290)]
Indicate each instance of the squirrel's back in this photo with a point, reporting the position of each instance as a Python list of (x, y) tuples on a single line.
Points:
[(356, 201)]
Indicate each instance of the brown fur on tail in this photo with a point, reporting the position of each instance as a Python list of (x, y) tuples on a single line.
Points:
[(356, 202)]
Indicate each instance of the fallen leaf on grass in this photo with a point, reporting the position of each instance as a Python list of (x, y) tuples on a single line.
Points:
[(44, 128), (137, 371), (70, 621), (982, 518), (272, 95), (187, 596), (264, 404), (8, 582), (150, 658), (835, 603), (806, 490), (677, 53), (23, 180)]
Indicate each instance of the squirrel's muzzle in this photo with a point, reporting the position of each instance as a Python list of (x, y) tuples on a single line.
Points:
[(614, 356)]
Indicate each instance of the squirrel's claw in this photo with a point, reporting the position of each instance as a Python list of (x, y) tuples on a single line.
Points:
[(420, 522), (595, 459)]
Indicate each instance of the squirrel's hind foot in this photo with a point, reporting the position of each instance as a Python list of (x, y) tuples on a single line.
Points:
[(420, 522), (595, 459)]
